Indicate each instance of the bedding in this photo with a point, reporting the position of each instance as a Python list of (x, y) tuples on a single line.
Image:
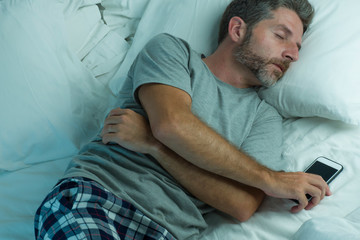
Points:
[(304, 140), (62, 63), (33, 58), (123, 16), (331, 228), (56, 83)]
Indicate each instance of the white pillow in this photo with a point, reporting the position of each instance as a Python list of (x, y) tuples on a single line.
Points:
[(125, 8), (100, 49), (81, 18), (123, 16), (50, 103), (325, 82), (196, 21)]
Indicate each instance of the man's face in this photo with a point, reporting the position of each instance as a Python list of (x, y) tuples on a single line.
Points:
[(274, 43)]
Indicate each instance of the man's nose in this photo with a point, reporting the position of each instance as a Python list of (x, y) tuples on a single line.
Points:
[(291, 53)]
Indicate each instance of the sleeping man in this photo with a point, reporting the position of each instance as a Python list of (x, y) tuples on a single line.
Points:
[(192, 136)]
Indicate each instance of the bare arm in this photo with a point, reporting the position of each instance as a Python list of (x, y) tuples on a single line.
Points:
[(226, 195), (131, 130), (174, 125)]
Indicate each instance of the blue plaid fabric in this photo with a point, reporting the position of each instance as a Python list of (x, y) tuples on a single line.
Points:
[(80, 208)]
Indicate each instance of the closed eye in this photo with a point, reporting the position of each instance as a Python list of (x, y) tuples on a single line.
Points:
[(279, 36)]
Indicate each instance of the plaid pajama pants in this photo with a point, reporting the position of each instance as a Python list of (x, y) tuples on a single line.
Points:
[(80, 208)]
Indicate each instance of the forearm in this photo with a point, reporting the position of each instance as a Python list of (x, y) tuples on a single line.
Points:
[(226, 195), (174, 125), (203, 147)]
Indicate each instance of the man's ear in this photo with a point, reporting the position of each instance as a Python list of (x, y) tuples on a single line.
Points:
[(237, 29)]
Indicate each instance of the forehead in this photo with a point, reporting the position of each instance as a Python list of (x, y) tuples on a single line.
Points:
[(286, 20)]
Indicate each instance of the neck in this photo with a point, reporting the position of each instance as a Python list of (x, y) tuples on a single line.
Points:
[(223, 65)]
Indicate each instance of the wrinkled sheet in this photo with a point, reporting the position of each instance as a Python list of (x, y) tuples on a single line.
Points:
[(22, 191), (331, 228), (304, 140)]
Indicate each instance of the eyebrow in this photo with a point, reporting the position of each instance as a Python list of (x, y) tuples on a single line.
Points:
[(288, 32)]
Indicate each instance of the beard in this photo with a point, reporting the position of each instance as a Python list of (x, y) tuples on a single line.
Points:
[(259, 66)]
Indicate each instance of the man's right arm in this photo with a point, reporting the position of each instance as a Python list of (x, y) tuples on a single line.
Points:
[(175, 126)]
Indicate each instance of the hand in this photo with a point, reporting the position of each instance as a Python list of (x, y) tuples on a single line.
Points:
[(128, 129), (295, 185)]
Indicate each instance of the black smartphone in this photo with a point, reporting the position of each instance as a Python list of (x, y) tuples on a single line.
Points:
[(326, 168)]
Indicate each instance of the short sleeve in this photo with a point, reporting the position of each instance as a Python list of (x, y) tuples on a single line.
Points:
[(164, 60), (264, 142)]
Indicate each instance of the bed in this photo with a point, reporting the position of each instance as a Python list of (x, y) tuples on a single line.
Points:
[(62, 63)]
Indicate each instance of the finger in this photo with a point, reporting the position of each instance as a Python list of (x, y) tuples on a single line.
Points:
[(319, 182), (322, 195), (116, 112), (324, 189), (317, 194), (312, 203), (109, 137), (328, 191), (120, 111), (105, 139), (303, 202), (310, 206), (115, 119), (103, 132), (109, 128)]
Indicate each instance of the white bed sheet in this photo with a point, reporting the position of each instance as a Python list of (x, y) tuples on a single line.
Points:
[(331, 228), (22, 191), (304, 140), (44, 82)]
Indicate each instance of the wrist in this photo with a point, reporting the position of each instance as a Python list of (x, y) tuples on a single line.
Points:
[(269, 182), (265, 177), (156, 148)]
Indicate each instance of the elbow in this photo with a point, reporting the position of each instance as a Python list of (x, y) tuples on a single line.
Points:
[(244, 210), (167, 130), (161, 131), (242, 214)]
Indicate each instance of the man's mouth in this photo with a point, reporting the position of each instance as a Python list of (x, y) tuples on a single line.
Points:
[(281, 67)]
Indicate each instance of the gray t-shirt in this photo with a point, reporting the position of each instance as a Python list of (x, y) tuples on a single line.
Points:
[(237, 114)]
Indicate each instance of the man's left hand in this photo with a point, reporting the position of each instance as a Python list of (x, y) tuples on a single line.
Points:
[(128, 129)]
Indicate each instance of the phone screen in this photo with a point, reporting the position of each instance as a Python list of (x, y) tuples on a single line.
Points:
[(328, 173), (325, 171)]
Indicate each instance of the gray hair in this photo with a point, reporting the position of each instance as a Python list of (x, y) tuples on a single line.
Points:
[(254, 11)]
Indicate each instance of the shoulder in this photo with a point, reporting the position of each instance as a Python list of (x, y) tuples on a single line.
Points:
[(166, 38), (168, 42), (262, 110), (163, 50), (266, 112)]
